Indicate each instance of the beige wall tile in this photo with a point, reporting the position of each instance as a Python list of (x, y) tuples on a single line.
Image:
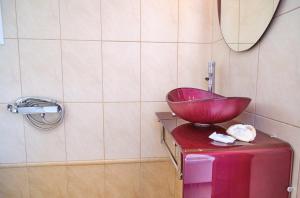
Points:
[(192, 64), (246, 118), (159, 70), (159, 20), (84, 131), (287, 133), (153, 177), (10, 86), (80, 19), (122, 180), (85, 181), (82, 70), (47, 181), (243, 75), (121, 71), (151, 129), (13, 182), (41, 70), (9, 18), (195, 21), (220, 54), (287, 5), (12, 141), (120, 20), (45, 147), (278, 93), (38, 19), (122, 130)]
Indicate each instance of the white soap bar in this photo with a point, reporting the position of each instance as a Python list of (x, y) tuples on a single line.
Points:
[(242, 132), (222, 138)]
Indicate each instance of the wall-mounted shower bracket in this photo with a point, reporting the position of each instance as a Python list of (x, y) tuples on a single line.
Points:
[(33, 110), (42, 113)]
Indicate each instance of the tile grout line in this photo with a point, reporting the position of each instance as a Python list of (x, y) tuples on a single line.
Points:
[(271, 119), (62, 77), (177, 67), (229, 68), (287, 12), (256, 85), (140, 166), (20, 76), (106, 102), (212, 16), (121, 41), (177, 48), (238, 47), (102, 83), (63, 90), (140, 1), (83, 162), (177, 44), (274, 120), (21, 87)]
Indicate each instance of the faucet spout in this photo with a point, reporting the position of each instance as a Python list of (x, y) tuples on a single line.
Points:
[(211, 76)]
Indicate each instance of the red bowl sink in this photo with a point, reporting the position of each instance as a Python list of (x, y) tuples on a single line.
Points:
[(200, 106)]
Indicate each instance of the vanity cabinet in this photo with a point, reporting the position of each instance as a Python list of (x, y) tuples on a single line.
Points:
[(209, 169)]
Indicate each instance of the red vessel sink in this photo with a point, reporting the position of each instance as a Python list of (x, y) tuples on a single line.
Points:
[(200, 106)]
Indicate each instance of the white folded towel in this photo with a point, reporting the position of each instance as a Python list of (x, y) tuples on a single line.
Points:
[(222, 138)]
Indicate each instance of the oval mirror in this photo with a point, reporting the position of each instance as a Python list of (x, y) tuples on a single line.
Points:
[(243, 22)]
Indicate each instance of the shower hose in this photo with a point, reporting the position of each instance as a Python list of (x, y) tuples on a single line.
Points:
[(43, 121)]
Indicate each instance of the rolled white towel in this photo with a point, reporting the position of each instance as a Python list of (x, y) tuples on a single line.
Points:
[(242, 132)]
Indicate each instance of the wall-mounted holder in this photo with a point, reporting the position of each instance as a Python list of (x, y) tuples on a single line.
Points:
[(42, 113)]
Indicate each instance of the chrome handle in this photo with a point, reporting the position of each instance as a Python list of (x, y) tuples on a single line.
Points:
[(211, 76), (33, 110)]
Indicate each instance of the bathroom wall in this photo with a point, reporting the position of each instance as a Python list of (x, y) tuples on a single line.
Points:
[(269, 73), (110, 63)]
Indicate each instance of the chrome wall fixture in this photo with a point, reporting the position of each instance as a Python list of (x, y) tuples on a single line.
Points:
[(211, 76), (42, 113)]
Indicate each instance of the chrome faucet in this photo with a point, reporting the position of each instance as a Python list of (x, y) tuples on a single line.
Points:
[(211, 76)]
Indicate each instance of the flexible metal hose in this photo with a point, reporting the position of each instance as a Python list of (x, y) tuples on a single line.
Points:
[(43, 121)]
